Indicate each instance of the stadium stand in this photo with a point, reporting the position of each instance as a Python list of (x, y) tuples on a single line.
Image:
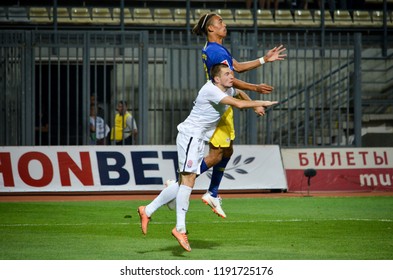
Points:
[(81, 16), (304, 18), (342, 18), (264, 18), (283, 18), (84, 16), (103, 16), (142, 16), (163, 16), (327, 18), (362, 18), (377, 17), (17, 14), (243, 17), (154, 13), (127, 15), (39, 15), (63, 15), (227, 16), (198, 13), (180, 16)]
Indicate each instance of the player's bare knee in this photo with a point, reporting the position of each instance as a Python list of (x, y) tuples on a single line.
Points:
[(228, 152), (215, 156)]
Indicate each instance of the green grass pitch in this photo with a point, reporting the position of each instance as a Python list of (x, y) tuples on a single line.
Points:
[(289, 228)]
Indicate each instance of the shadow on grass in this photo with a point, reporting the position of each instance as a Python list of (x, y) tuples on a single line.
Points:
[(178, 251)]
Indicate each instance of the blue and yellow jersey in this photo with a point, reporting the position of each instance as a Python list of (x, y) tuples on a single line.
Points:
[(213, 53)]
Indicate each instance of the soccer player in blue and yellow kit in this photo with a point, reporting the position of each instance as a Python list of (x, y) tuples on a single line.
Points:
[(221, 144)]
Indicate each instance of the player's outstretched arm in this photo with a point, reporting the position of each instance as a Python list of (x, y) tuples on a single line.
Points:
[(260, 111), (274, 54), (242, 104), (260, 88)]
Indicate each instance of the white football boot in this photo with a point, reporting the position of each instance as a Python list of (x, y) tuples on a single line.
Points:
[(214, 203)]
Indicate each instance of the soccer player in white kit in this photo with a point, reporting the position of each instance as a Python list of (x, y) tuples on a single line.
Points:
[(193, 134)]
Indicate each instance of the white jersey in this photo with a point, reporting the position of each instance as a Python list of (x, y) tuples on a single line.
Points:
[(206, 113)]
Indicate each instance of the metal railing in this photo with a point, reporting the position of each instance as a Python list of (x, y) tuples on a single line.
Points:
[(50, 76)]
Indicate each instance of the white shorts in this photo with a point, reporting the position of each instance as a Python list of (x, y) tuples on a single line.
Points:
[(190, 153)]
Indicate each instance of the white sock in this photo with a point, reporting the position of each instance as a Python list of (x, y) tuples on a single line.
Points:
[(182, 203), (166, 195)]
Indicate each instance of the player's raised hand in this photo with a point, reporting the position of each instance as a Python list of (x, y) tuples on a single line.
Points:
[(260, 111), (263, 88), (275, 54)]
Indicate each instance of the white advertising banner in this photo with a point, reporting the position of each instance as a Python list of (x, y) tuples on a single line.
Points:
[(127, 168)]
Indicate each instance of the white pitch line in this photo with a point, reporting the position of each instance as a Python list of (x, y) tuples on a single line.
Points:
[(214, 222), (44, 225)]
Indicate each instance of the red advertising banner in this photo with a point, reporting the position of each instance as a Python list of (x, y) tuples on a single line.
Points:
[(339, 169)]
